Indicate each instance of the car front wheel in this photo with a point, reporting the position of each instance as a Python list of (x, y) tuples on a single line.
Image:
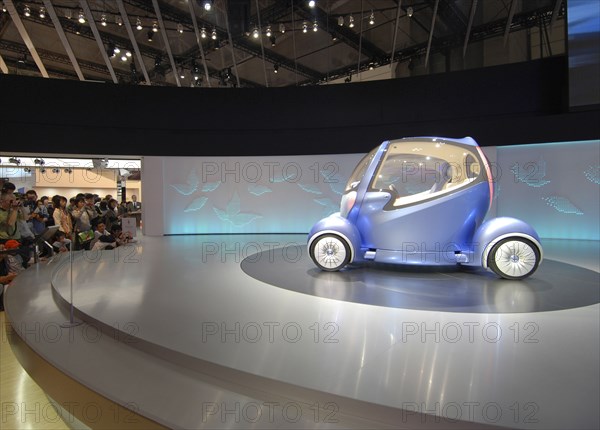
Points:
[(330, 252), (514, 258)]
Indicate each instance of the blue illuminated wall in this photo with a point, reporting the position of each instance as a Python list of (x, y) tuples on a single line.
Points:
[(252, 194), (555, 187)]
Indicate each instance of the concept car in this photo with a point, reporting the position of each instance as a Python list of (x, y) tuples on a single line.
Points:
[(423, 201)]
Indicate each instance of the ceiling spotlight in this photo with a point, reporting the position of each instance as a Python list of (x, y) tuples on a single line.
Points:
[(409, 11), (371, 66), (181, 73), (203, 33), (268, 33), (350, 21), (81, 17), (255, 33), (56, 170), (207, 5), (3, 7), (26, 11), (39, 161), (276, 68), (123, 58), (282, 28), (304, 27), (150, 35), (68, 170), (138, 24), (315, 25), (117, 50), (273, 40), (333, 37), (372, 18), (42, 12), (155, 27), (213, 35), (119, 21), (128, 54), (68, 14), (180, 28), (103, 22), (312, 3), (14, 160), (27, 170), (340, 21)]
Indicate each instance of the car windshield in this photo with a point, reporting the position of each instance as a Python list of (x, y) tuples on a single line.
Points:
[(359, 170), (421, 169)]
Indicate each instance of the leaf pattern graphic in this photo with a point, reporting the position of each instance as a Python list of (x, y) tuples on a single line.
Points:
[(210, 186), (191, 185), (196, 204), (258, 190), (562, 204), (592, 174), (310, 188), (233, 215)]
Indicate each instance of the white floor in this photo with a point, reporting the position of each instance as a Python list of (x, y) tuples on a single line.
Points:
[(187, 304)]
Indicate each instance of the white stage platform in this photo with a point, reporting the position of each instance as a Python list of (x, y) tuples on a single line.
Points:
[(174, 328)]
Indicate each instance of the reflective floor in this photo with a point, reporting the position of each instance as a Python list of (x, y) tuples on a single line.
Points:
[(520, 356), (554, 286)]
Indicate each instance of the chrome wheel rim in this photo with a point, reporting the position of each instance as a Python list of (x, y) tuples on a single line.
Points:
[(330, 252), (515, 258)]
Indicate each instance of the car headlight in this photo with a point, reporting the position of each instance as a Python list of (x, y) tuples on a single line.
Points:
[(348, 201)]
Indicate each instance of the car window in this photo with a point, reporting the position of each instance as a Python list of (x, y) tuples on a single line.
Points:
[(419, 170), (359, 170)]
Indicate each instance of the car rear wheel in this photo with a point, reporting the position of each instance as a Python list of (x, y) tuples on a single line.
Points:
[(514, 258), (330, 252)]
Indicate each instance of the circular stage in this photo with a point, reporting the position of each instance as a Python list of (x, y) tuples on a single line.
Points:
[(554, 286)]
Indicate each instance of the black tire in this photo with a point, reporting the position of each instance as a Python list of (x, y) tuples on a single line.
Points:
[(514, 258), (330, 252)]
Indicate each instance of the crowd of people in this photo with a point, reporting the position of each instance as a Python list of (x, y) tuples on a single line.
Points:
[(85, 221)]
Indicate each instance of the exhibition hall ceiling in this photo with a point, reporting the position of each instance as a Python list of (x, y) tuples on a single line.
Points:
[(256, 43)]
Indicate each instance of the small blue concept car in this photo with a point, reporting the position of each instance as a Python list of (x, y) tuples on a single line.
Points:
[(422, 201)]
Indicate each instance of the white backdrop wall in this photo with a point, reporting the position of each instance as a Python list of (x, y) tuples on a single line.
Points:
[(554, 187)]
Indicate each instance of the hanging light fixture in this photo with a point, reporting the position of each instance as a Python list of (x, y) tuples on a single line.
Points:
[(315, 25), (268, 33), (42, 12), (409, 11), (350, 21), (81, 17), (150, 35), (180, 28), (103, 21), (119, 21), (68, 14), (128, 54), (155, 27), (340, 21), (276, 68), (181, 73), (304, 27), (255, 33), (282, 28), (26, 11), (213, 35), (207, 5), (372, 18), (3, 7), (138, 24), (203, 33), (312, 3)]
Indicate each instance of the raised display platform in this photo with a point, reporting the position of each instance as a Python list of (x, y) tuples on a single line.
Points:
[(176, 330)]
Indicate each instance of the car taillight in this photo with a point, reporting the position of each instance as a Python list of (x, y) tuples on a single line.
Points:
[(348, 201)]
